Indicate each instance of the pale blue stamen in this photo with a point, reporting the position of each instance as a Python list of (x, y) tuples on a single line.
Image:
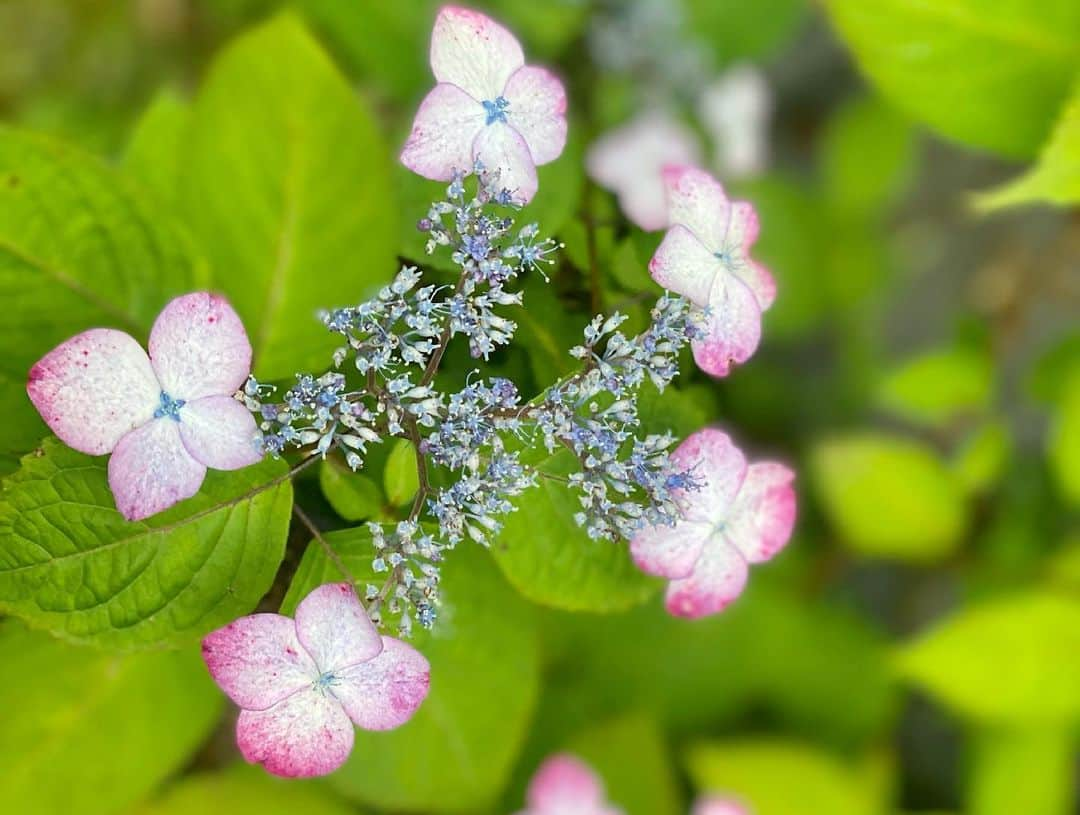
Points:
[(169, 407), (326, 681), (724, 256), (496, 111)]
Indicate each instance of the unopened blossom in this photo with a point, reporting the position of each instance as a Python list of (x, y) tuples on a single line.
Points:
[(711, 805), (740, 514), (488, 106), (303, 683), (165, 417), (630, 160), (705, 256), (564, 785), (735, 110)]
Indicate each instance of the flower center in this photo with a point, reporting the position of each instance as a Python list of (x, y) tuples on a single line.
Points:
[(496, 111), (725, 256), (325, 681), (169, 407)]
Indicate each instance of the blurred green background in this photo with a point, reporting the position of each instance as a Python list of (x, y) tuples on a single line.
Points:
[(916, 648)]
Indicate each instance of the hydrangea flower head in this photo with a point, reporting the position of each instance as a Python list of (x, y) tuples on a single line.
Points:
[(735, 110), (705, 256), (165, 417), (630, 161), (710, 805), (488, 107), (301, 684), (742, 514), (564, 785)]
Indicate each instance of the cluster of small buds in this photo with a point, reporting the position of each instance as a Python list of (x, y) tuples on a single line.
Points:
[(315, 413), (625, 481), (382, 386)]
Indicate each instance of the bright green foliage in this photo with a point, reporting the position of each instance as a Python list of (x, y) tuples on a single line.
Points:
[(783, 778), (1028, 770), (744, 29), (84, 731), (552, 561), (311, 195), (243, 790), (1012, 660), (631, 756), (936, 387), (981, 458), (155, 151), (78, 249), (1055, 178), (867, 157), (889, 497), (746, 658), (456, 753), (400, 478), (354, 496), (1064, 442), (1052, 371), (989, 73), (73, 565)]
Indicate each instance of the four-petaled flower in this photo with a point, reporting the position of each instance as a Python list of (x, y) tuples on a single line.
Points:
[(705, 256), (488, 106), (301, 684), (165, 418), (566, 786), (630, 160), (710, 805), (743, 513)]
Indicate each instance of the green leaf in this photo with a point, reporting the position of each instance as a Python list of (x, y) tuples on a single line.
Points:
[(1013, 659), (552, 561), (889, 497), (980, 461), (94, 733), (744, 29), (783, 778), (1050, 375), (72, 565), (354, 496), (78, 249), (988, 73), (1055, 178), (154, 154), (1064, 441), (456, 753), (859, 182), (934, 388), (631, 757), (1028, 770), (301, 218), (243, 790), (401, 479)]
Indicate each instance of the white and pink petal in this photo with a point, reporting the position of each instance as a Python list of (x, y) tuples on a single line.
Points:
[(304, 735), (220, 432), (669, 551), (719, 466), (150, 470), (564, 784), (763, 514), (684, 265), (333, 626), (537, 110), (697, 201), (385, 692), (717, 580), (711, 805), (499, 147), (733, 327), (198, 347), (443, 133), (258, 660), (94, 388), (472, 51)]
